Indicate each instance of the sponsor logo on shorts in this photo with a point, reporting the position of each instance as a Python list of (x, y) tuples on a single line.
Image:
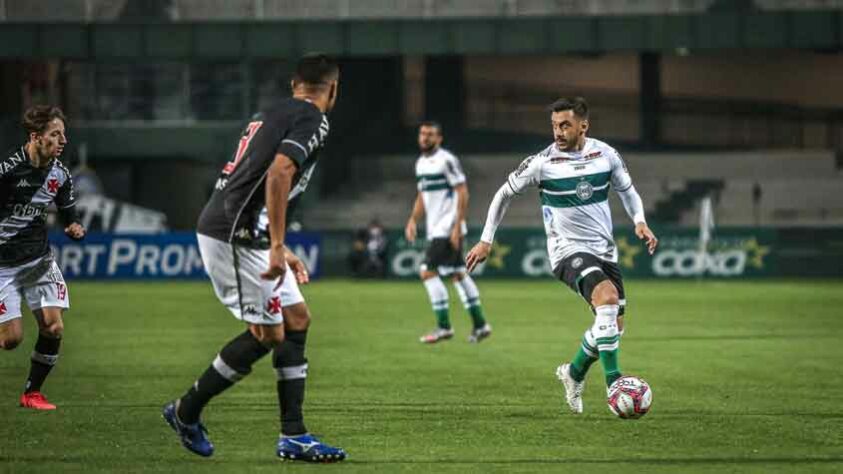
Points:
[(584, 190), (577, 263)]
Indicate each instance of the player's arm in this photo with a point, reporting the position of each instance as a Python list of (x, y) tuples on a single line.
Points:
[(632, 203), (290, 155), (497, 209), (410, 230), (68, 215), (298, 267), (525, 176), (279, 179), (462, 207)]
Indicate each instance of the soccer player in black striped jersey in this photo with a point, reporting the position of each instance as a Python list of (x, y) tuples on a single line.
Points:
[(31, 179), (241, 239)]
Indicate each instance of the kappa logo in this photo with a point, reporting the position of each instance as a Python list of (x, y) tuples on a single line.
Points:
[(250, 309), (23, 183), (584, 190), (577, 263)]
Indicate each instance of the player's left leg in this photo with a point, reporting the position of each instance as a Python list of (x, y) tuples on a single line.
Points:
[(44, 356), (470, 297), (290, 366), (47, 297)]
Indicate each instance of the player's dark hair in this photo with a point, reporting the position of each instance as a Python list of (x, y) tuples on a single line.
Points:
[(316, 69), (432, 124), (577, 104), (36, 118)]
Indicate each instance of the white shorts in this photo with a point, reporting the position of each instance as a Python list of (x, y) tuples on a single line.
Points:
[(235, 273), (39, 281)]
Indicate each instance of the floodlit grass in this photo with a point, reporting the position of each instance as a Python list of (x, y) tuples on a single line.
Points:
[(746, 377)]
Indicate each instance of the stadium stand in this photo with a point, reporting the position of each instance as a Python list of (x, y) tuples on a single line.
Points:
[(798, 187)]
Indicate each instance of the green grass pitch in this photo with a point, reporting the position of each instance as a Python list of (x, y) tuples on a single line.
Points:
[(747, 377)]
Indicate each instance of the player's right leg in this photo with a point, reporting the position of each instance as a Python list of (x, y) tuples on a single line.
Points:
[(437, 292), (234, 273), (11, 327), (11, 332)]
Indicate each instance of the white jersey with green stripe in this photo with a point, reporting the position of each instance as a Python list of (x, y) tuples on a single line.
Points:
[(436, 176), (574, 192)]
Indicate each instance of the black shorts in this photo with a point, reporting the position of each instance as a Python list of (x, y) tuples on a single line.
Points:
[(582, 272), (442, 257)]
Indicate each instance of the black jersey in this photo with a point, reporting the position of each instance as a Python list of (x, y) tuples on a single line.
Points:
[(236, 210), (25, 194)]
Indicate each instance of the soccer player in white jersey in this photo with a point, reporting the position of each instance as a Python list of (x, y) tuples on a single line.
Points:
[(574, 175), (443, 196)]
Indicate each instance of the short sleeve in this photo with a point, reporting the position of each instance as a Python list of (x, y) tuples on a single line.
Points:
[(528, 174), (306, 136), (66, 197), (621, 180), (453, 171)]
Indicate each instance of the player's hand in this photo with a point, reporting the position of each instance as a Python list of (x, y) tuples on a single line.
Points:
[(298, 267), (644, 233), (75, 231), (410, 231), (478, 254), (456, 238), (277, 266)]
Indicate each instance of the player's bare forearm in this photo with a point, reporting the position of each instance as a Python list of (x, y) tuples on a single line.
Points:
[(462, 206), (415, 215), (418, 208), (279, 179)]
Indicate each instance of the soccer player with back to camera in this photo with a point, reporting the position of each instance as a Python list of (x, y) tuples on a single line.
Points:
[(241, 239), (574, 175), (31, 179)]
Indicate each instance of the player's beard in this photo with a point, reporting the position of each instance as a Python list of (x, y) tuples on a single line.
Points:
[(427, 149)]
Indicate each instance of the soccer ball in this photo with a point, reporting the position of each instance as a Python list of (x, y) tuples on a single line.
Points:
[(630, 397)]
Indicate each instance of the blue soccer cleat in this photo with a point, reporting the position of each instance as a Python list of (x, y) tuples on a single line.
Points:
[(193, 437), (307, 448)]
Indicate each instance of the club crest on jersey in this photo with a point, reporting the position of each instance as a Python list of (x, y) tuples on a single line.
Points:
[(584, 190), (52, 186)]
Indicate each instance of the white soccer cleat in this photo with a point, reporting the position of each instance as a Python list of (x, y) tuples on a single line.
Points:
[(479, 334), (437, 335), (573, 389)]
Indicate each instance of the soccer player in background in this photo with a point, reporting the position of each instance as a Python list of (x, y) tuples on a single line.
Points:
[(31, 179), (241, 239), (443, 197), (574, 175)]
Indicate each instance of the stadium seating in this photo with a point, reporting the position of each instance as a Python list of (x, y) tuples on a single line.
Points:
[(798, 188)]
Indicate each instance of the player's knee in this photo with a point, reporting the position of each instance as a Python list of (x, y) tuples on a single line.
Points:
[(604, 294), (54, 330), (9, 342), (457, 277), (427, 275)]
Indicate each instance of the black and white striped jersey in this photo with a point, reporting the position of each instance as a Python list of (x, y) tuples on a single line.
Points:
[(25, 194)]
